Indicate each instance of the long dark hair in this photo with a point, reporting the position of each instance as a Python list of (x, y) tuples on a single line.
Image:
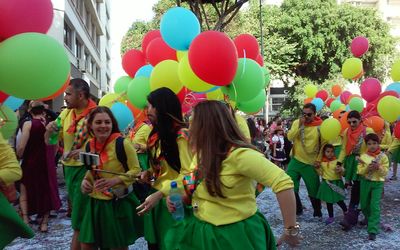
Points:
[(102, 109), (169, 122), (213, 132)]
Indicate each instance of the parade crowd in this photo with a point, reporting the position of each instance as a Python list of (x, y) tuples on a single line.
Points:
[(119, 182)]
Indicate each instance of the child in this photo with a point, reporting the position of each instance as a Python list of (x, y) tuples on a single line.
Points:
[(373, 168), (331, 189), (278, 147)]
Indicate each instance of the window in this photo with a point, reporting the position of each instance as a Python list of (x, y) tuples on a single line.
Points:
[(98, 74), (67, 35), (93, 70), (278, 100), (87, 61), (78, 48)]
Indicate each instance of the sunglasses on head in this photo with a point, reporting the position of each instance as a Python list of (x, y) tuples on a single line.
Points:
[(307, 114)]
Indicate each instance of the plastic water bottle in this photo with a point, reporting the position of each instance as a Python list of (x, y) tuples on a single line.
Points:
[(53, 140), (176, 198)]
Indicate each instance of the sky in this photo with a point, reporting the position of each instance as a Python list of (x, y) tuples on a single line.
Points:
[(123, 14)]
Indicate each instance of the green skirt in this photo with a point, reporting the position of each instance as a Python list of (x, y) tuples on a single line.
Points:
[(111, 223), (11, 225), (143, 160), (157, 223), (350, 165), (395, 155), (325, 193), (253, 233), (73, 180)]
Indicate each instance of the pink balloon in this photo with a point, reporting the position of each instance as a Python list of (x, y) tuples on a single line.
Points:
[(359, 46), (191, 100), (21, 16), (323, 94), (344, 97), (370, 89), (132, 60)]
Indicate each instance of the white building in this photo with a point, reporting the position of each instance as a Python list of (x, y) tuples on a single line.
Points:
[(83, 27)]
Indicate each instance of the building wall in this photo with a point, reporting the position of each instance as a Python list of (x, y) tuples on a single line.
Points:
[(83, 27)]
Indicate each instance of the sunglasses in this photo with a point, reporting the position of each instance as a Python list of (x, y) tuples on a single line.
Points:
[(307, 114), (352, 122)]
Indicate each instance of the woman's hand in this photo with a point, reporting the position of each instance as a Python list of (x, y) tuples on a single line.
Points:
[(86, 186), (317, 164), (144, 177), (149, 203), (104, 184), (170, 205), (293, 241), (74, 154)]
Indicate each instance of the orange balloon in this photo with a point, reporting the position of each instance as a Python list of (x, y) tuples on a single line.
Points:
[(59, 92), (336, 90), (375, 122), (353, 95), (308, 100), (359, 75), (138, 114), (343, 121), (336, 114)]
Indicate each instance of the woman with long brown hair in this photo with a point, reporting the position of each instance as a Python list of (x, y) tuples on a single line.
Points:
[(222, 187)]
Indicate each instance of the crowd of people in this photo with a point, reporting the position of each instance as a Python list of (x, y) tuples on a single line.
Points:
[(119, 184)]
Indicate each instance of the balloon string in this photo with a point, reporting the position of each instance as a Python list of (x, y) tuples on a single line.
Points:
[(244, 63), (116, 99), (234, 89)]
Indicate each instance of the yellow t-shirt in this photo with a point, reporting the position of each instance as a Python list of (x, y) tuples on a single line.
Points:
[(242, 124), (67, 138), (114, 165), (386, 141), (375, 175), (363, 149), (10, 170), (168, 174), (328, 171), (394, 145), (142, 135), (238, 172), (313, 143)]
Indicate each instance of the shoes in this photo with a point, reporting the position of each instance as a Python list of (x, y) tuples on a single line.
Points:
[(372, 236), (330, 220), (393, 178), (350, 219)]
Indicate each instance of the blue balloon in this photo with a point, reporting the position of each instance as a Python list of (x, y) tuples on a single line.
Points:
[(394, 87), (144, 71), (318, 102), (347, 108), (13, 102), (178, 27), (122, 114)]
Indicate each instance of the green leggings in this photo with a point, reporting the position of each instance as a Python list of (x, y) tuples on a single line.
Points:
[(297, 170), (371, 193)]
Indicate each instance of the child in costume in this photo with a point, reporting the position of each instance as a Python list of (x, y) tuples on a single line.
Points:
[(373, 168), (331, 189)]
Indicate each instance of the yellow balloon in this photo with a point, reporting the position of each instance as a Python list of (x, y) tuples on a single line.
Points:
[(330, 129), (216, 95), (109, 99), (342, 107), (189, 78), (310, 90), (351, 68), (389, 108), (395, 72), (165, 74), (180, 54)]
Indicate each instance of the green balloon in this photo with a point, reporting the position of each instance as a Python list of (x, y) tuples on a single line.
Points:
[(356, 103), (248, 81), (32, 66), (335, 105), (267, 77), (9, 118), (254, 105), (138, 90), (121, 85)]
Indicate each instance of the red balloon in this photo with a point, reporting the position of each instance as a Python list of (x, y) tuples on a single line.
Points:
[(396, 130), (158, 51), (359, 46), (152, 34), (21, 16), (213, 58), (3, 96), (247, 46), (329, 101), (323, 94), (132, 60), (260, 60), (181, 95)]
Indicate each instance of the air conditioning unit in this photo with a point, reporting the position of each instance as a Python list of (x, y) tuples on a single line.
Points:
[(82, 65)]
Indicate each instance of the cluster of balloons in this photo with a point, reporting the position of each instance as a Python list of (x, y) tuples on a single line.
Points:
[(195, 65), (32, 64), (376, 106)]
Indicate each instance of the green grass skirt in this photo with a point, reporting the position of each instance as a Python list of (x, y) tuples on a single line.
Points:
[(253, 233), (325, 193), (11, 225), (111, 223)]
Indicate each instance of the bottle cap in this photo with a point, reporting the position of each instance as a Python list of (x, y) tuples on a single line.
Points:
[(173, 184)]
